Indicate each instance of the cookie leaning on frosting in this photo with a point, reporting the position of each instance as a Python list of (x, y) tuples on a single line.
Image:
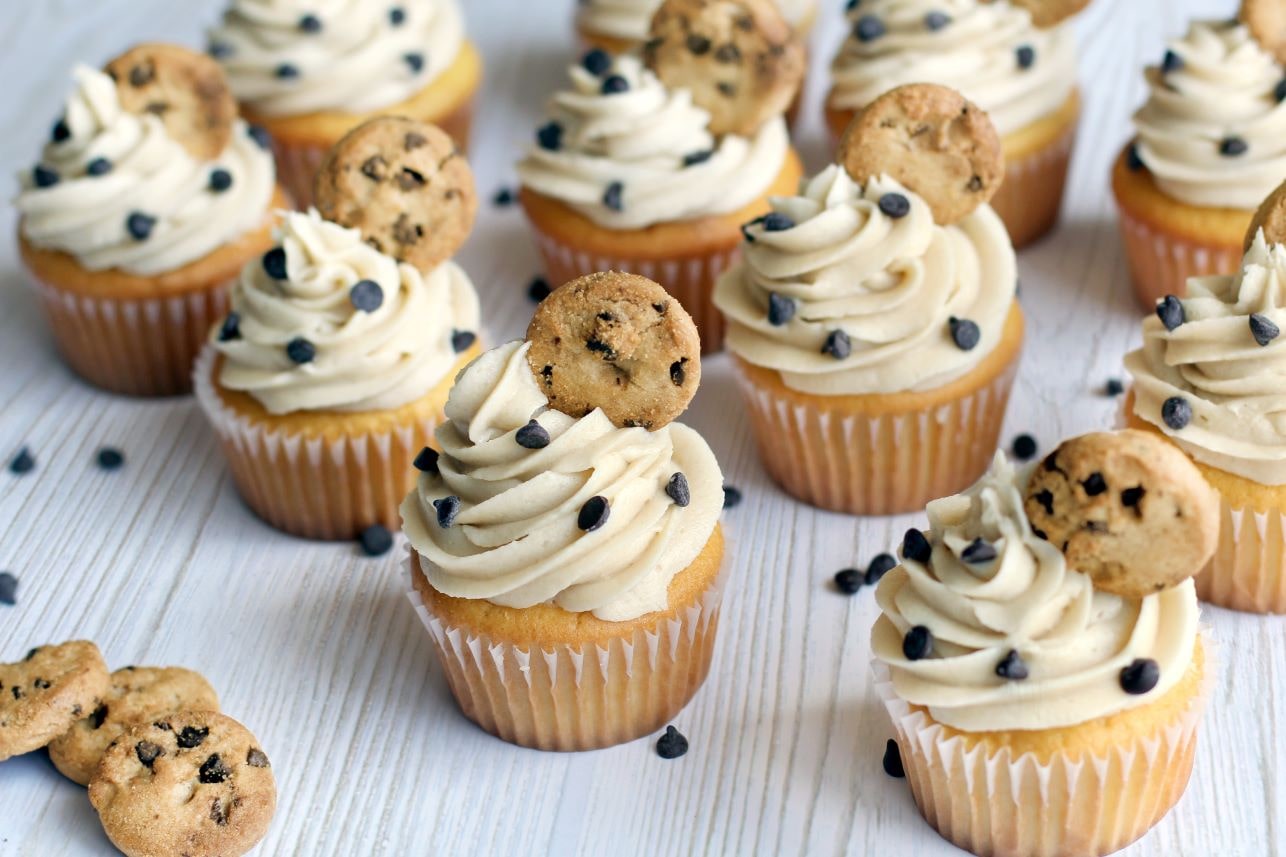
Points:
[(1007, 666), (553, 521)]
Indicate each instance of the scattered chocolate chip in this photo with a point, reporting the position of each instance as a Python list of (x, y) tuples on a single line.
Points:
[(98, 167), (1094, 485), (61, 133), (274, 263), (550, 136), (838, 345), (110, 458), (596, 62), (1263, 329), (1024, 447), (256, 758), (286, 71), (916, 547), (447, 508), (1170, 61), (677, 489), (503, 198), (427, 460), (777, 222), (678, 374), (918, 643), (614, 84), (366, 296), (1133, 161), (1231, 147), (8, 588), (397, 16), (375, 540), (462, 340), (978, 551), (934, 21), (414, 61), (310, 24), (1176, 412), (672, 744), (213, 770), (869, 28), (44, 177), (231, 327), (23, 462), (612, 197), (893, 760), (192, 736), (261, 136), (1140, 676), (593, 514), (781, 309), (698, 45), (964, 333), (532, 436), (848, 580), (731, 497), (1131, 497), (147, 753), (894, 205), (1026, 56), (1012, 667), (1113, 387), (538, 290), (699, 157), (881, 564), (1170, 311), (301, 351), (140, 225), (220, 180)]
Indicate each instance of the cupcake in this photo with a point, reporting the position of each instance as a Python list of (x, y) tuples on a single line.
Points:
[(1015, 58), (565, 546), (1046, 702), (310, 73), (650, 166), (1205, 378), (1207, 148), (873, 319), (330, 373), (148, 198)]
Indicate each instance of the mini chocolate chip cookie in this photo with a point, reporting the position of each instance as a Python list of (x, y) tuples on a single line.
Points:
[(186, 89), (1127, 508), (932, 140), (739, 58), (42, 695), (404, 185), (1266, 20), (136, 695), (1051, 13), (195, 783), (1271, 217), (618, 342)]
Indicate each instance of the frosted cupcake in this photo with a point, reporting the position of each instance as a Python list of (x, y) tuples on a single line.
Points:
[(1016, 60), (875, 347), (135, 221), (309, 73), (636, 172), (1037, 712), (567, 562), (1208, 147)]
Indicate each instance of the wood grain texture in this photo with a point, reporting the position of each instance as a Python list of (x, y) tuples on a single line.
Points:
[(317, 651)]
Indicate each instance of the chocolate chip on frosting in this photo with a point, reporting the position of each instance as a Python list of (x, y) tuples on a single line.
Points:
[(894, 205), (447, 509), (1026, 56), (964, 333), (1176, 412), (44, 177), (1170, 311), (274, 263), (1263, 329), (916, 547), (781, 309), (881, 564), (140, 225), (550, 136), (366, 295), (98, 167), (677, 489), (935, 20), (301, 351), (613, 197), (310, 23), (1012, 667), (838, 345), (532, 436), (596, 62), (918, 643), (869, 28), (286, 71), (978, 551), (414, 61), (220, 180), (614, 84), (231, 327), (1170, 61), (427, 460), (593, 514), (775, 221), (462, 340), (698, 157), (1140, 676), (1232, 147)]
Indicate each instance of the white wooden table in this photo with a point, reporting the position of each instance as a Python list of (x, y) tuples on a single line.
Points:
[(316, 649)]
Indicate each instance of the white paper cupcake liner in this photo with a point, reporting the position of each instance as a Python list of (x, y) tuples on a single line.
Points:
[(1248, 570), (1161, 263), (1030, 198), (297, 166)]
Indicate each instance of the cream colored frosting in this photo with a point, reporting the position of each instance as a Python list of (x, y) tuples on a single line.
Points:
[(516, 542), (365, 361), (975, 53), (355, 61), (151, 174), (1224, 88), (1073, 639), (1234, 386), (640, 138), (891, 284), (629, 20)]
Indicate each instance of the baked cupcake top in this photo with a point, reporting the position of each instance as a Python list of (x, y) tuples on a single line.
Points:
[(324, 321), (628, 20), (1213, 130), (992, 52), (292, 57), (848, 289), (115, 189), (1209, 374), (988, 626), (627, 152)]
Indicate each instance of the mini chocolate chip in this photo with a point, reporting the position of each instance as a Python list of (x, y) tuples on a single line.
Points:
[(231, 327), (261, 136), (274, 263), (375, 540), (41, 684), (1051, 462), (678, 373), (503, 198), (745, 229), (1231, 147), (1176, 412), (916, 547), (140, 225), (142, 75), (1170, 311), (672, 744), (918, 643), (612, 196), (848, 580), (1024, 447), (97, 716), (427, 460), (447, 508), (893, 760), (593, 514), (1094, 485), (148, 753), (964, 333), (1140, 676), (286, 71), (894, 205), (550, 136), (23, 462), (213, 770), (8, 588), (414, 61), (881, 564), (978, 551), (677, 489), (397, 16), (1133, 161), (777, 222), (538, 289), (462, 340), (869, 28), (731, 497), (838, 345), (614, 84), (1113, 387), (934, 21), (404, 231), (61, 132), (1012, 667), (532, 436), (781, 309), (1279, 91), (192, 736), (1170, 61), (218, 50), (256, 758), (220, 180), (1045, 498), (98, 167), (698, 44), (16, 691), (301, 351), (1026, 56), (366, 295), (596, 62), (1263, 329), (1131, 497), (310, 24), (110, 458), (44, 177), (727, 54), (699, 157)]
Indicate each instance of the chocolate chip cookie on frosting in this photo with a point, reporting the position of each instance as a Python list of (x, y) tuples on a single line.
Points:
[(652, 164), (1016, 60), (1059, 702), (147, 199), (872, 316), (565, 557), (1207, 148), (331, 370), (310, 72)]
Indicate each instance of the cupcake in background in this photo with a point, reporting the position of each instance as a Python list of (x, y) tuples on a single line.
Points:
[(566, 546), (148, 198), (1016, 59), (651, 166), (309, 73), (1208, 147), (1046, 702), (330, 373), (1208, 378), (873, 318)]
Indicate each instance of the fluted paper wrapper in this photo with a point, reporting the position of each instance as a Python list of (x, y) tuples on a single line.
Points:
[(1248, 571), (690, 279), (1161, 263), (136, 347), (1030, 198), (877, 465), (314, 487), (577, 697), (994, 804)]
